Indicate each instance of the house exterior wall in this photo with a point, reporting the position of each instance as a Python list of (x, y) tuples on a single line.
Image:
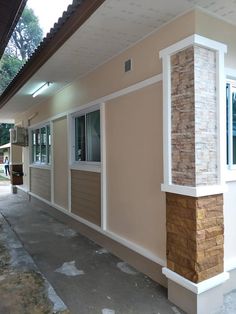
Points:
[(216, 29), (40, 183), (135, 203), (60, 165), (141, 219), (136, 206), (86, 195)]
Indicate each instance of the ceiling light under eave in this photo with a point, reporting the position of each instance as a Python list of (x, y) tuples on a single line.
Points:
[(41, 89)]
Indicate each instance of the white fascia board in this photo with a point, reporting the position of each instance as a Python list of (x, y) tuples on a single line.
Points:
[(193, 40), (196, 288)]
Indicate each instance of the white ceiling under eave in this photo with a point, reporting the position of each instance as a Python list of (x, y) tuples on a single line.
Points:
[(115, 26)]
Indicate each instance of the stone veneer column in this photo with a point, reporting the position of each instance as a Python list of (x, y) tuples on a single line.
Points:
[(193, 93), (194, 225), (194, 117), (195, 236)]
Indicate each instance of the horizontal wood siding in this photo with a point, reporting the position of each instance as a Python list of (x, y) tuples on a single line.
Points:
[(40, 182), (86, 195)]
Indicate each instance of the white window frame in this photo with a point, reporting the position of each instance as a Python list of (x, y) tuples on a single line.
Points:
[(48, 161), (229, 147), (84, 165)]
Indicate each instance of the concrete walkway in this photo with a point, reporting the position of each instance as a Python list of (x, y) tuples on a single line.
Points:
[(23, 289), (85, 276)]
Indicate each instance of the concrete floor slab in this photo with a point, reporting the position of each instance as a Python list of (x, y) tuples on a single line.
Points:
[(94, 281), (86, 276), (23, 288)]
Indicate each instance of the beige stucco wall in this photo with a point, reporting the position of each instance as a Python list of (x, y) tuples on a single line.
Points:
[(218, 30), (16, 154), (136, 206), (60, 156)]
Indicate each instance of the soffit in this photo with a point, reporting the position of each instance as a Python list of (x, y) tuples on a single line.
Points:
[(116, 25)]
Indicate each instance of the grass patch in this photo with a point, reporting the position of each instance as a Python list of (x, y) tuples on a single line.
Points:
[(3, 178)]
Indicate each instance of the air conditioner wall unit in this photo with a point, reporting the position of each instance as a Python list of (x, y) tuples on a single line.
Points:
[(19, 136)]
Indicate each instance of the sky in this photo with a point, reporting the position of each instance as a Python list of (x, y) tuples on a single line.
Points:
[(48, 11)]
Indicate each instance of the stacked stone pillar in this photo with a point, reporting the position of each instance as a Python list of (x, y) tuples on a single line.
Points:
[(194, 224), (194, 162)]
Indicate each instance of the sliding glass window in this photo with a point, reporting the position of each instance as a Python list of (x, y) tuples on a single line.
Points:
[(41, 145), (87, 137)]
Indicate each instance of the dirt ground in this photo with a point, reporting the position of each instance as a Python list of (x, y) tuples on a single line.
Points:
[(22, 291)]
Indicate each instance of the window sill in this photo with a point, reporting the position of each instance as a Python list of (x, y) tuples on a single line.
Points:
[(41, 166), (230, 175), (93, 167)]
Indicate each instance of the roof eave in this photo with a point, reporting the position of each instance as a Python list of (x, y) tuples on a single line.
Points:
[(58, 35)]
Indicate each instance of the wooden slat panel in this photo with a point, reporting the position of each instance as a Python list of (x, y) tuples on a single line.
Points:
[(40, 182), (86, 195)]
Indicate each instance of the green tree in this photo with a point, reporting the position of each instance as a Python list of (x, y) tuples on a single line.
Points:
[(24, 40), (9, 66), (26, 36), (4, 133)]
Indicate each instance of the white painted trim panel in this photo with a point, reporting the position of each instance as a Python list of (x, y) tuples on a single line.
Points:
[(197, 288), (52, 161), (230, 264), (230, 73), (40, 166), (194, 191), (193, 40), (86, 167), (103, 167)]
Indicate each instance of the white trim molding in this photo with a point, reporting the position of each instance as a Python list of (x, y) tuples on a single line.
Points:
[(86, 167), (165, 54), (196, 288), (52, 160), (41, 166), (103, 167), (230, 73), (198, 191), (193, 40), (230, 264)]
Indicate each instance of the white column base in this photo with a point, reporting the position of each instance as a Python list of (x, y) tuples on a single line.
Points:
[(204, 297)]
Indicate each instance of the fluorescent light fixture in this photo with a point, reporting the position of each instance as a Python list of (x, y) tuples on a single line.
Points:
[(41, 89)]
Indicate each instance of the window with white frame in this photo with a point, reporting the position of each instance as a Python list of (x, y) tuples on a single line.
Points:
[(41, 145), (231, 123), (87, 137)]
